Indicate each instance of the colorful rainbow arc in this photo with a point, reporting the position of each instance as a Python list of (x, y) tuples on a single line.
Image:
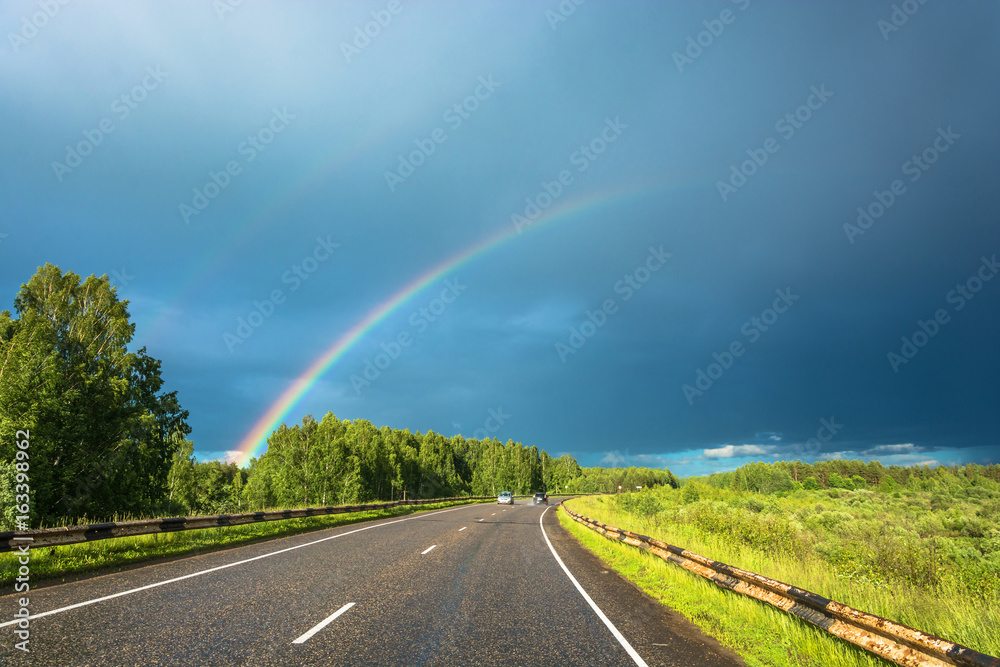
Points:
[(256, 438)]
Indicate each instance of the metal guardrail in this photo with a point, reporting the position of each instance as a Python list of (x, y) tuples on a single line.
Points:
[(49, 537), (887, 639)]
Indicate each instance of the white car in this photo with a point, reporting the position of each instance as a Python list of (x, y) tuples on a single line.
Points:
[(505, 498)]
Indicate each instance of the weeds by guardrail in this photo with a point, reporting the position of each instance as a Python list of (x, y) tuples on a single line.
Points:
[(887, 639), (49, 537)]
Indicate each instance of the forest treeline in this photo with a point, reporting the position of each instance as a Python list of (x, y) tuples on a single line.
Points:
[(336, 462), (786, 476)]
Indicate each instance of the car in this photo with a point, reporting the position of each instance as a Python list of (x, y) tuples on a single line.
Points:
[(505, 498), (541, 498)]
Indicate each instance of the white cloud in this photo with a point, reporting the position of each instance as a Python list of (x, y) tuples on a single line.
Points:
[(729, 451), (228, 456), (613, 459), (893, 449), (649, 461)]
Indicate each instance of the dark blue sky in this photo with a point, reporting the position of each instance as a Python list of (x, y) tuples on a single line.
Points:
[(205, 158)]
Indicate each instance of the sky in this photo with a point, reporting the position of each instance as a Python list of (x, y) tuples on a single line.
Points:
[(672, 234)]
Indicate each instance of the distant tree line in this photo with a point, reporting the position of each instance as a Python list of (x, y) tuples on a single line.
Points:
[(785, 476), (335, 462)]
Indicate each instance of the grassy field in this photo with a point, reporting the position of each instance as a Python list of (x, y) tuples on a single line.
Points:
[(925, 559), (53, 563)]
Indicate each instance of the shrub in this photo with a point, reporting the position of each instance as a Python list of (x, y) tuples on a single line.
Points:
[(690, 493), (838, 482)]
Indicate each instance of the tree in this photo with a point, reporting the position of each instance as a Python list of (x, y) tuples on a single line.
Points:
[(181, 479), (101, 434)]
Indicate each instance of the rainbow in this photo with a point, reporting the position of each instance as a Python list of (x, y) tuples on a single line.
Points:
[(255, 439)]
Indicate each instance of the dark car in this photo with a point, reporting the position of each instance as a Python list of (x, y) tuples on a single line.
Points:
[(540, 498)]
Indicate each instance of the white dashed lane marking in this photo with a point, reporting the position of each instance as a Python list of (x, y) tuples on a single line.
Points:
[(322, 624)]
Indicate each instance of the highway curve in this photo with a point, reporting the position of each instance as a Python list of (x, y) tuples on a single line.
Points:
[(472, 585)]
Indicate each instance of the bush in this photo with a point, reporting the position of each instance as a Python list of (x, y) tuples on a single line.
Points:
[(810, 484), (690, 493), (641, 504), (838, 482)]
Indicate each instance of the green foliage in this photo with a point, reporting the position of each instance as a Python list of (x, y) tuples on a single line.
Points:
[(925, 553), (761, 478), (342, 462), (101, 433), (849, 475), (690, 493), (945, 535), (643, 503)]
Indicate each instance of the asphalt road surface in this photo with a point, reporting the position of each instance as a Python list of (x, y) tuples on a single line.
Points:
[(472, 585)]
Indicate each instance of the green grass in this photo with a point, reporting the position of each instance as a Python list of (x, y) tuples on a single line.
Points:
[(759, 633), (858, 548), (49, 563)]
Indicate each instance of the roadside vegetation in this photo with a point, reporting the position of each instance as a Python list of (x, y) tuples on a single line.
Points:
[(920, 546), (119, 553)]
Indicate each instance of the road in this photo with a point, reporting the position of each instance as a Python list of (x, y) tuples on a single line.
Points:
[(472, 585)]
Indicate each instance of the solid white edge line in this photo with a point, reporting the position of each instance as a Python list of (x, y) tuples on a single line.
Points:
[(322, 624), (611, 626), (427, 549), (222, 567)]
